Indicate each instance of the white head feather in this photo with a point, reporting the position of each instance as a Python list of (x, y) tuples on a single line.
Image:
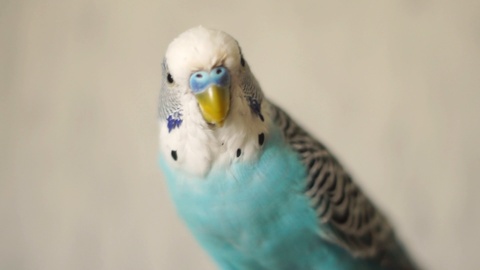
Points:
[(200, 48)]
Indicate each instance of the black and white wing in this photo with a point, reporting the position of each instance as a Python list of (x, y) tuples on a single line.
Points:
[(346, 216)]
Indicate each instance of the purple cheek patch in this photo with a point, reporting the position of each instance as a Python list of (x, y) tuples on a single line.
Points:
[(174, 121)]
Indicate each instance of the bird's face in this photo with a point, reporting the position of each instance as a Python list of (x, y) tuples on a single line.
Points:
[(204, 64), (212, 109)]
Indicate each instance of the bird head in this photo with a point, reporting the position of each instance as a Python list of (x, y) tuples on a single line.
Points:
[(209, 97), (207, 65)]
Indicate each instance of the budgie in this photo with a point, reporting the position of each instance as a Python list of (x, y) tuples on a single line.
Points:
[(255, 189)]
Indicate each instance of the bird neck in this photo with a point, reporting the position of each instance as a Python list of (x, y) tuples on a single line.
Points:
[(196, 147)]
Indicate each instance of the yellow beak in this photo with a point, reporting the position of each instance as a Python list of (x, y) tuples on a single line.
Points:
[(214, 104)]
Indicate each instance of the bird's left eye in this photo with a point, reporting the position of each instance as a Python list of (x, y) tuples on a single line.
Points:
[(169, 78), (242, 61)]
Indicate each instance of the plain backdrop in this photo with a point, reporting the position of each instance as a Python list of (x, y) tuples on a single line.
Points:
[(392, 87)]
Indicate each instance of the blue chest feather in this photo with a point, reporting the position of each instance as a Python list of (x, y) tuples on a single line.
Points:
[(255, 215)]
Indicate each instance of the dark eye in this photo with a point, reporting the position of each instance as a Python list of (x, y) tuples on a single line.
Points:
[(169, 78), (242, 61)]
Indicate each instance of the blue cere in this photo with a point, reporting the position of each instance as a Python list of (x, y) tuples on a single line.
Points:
[(200, 80), (220, 76)]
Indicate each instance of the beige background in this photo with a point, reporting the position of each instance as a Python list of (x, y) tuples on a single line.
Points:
[(393, 88)]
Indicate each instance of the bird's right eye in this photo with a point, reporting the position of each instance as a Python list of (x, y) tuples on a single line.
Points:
[(169, 78)]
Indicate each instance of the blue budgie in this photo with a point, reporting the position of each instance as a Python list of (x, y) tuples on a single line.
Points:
[(256, 190)]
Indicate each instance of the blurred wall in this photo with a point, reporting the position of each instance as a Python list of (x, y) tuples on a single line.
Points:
[(391, 87)]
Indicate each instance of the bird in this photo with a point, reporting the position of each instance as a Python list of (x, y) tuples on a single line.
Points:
[(256, 190)]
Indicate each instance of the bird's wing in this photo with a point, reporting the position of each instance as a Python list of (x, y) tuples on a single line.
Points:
[(346, 217)]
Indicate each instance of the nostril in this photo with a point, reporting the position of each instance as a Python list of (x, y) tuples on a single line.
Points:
[(220, 75), (199, 80)]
